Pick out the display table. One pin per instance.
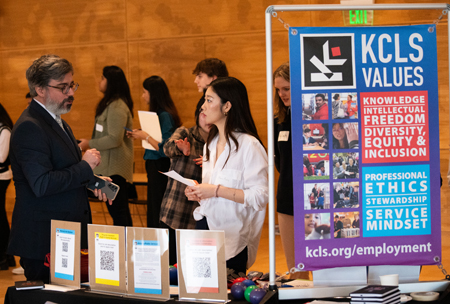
(14, 296)
(41, 296)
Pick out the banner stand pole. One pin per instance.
(271, 152)
(269, 83)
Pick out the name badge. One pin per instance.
(98, 128)
(283, 136)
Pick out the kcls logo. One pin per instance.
(328, 61)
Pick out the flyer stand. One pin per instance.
(65, 253)
(202, 274)
(272, 12)
(148, 263)
(107, 267)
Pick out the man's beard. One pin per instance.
(59, 108)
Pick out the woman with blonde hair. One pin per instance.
(283, 163)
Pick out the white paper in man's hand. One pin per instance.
(178, 177)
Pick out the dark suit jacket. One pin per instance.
(50, 180)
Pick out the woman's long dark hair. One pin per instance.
(116, 87)
(5, 120)
(239, 118)
(160, 98)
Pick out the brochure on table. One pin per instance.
(107, 270)
(201, 265)
(65, 253)
(150, 123)
(148, 262)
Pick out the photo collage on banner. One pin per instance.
(366, 149)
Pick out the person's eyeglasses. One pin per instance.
(66, 88)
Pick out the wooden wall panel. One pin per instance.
(88, 62)
(167, 38)
(381, 17)
(173, 60)
(443, 65)
(245, 60)
(327, 18)
(135, 83)
(13, 82)
(29, 23)
(406, 17)
(159, 18)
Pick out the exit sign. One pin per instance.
(358, 17)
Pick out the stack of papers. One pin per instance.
(376, 294)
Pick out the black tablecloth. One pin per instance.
(41, 296)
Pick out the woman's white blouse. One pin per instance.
(245, 169)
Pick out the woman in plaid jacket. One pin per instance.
(184, 148)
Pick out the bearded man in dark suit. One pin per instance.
(50, 174)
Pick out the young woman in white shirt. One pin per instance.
(234, 192)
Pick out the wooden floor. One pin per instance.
(100, 216)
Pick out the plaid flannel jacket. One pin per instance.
(176, 210)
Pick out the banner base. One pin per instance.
(348, 276)
(406, 274)
(344, 291)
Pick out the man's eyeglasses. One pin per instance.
(66, 88)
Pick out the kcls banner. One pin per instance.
(365, 142)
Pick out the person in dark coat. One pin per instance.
(49, 172)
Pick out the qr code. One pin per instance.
(107, 260)
(202, 267)
(64, 263)
(65, 246)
